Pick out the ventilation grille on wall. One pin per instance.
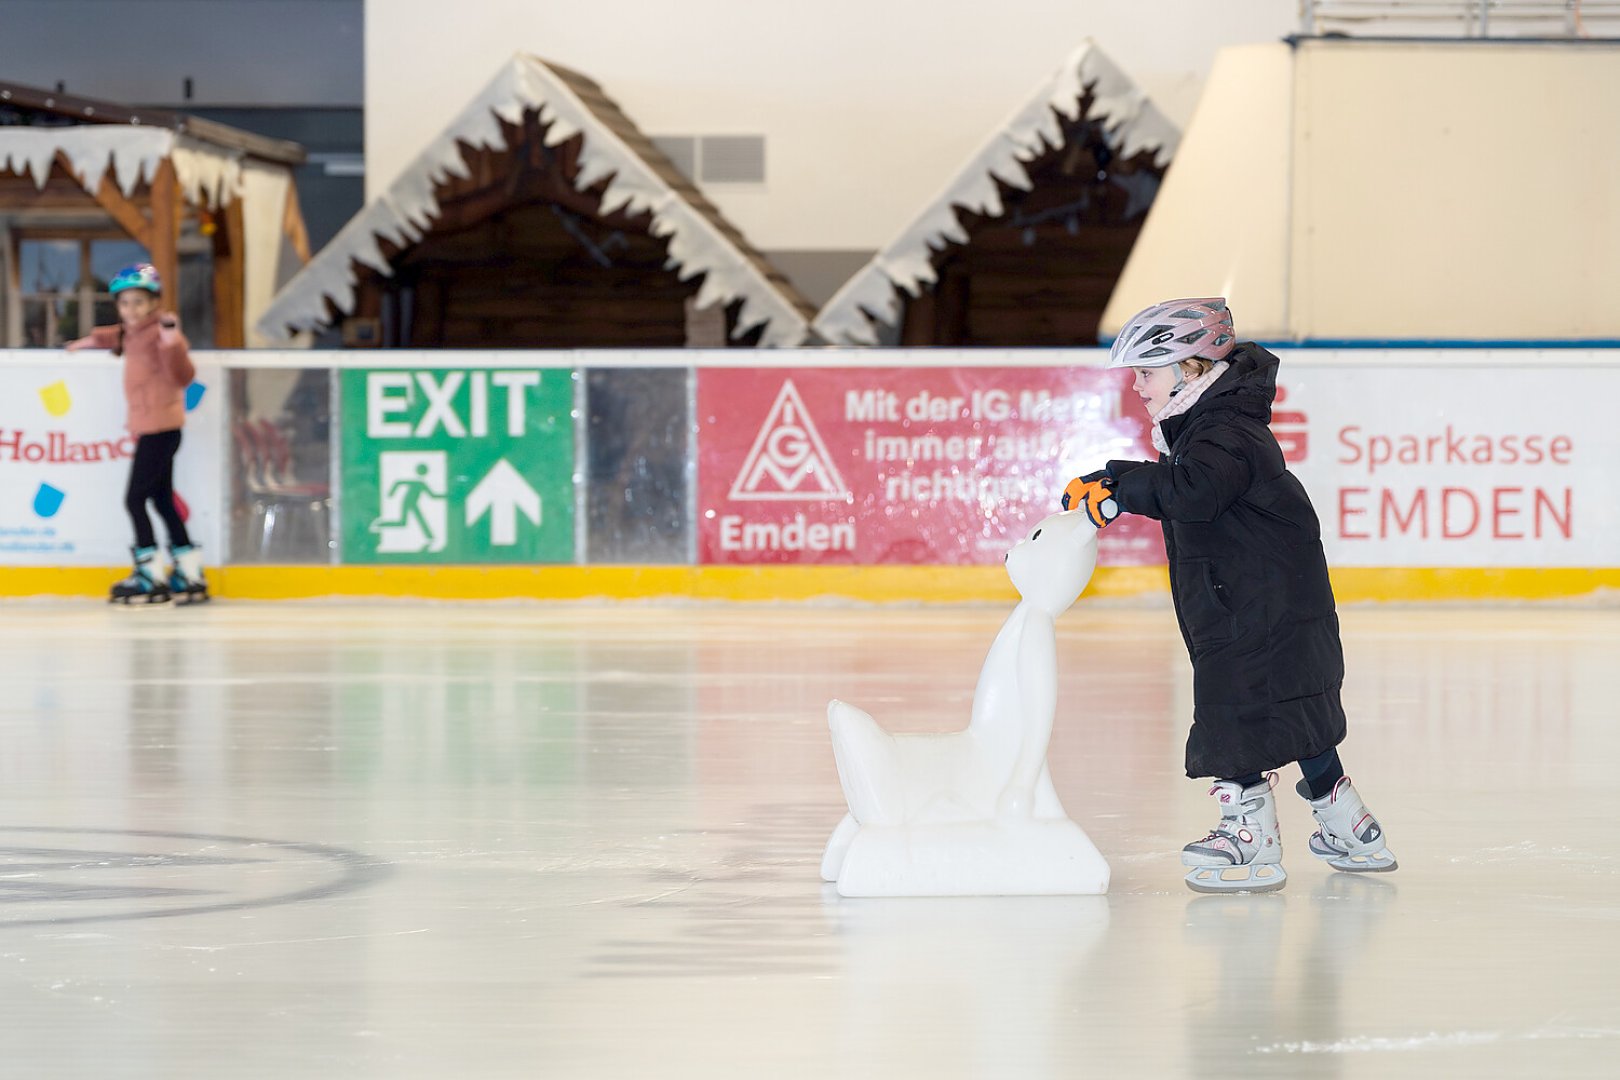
(716, 159)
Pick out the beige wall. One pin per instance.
(1219, 226)
(1461, 192)
(868, 106)
(1396, 191)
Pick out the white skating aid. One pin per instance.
(973, 812)
(1350, 838)
(1244, 852)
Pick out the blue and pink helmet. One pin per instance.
(139, 276)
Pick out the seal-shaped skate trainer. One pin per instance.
(973, 812)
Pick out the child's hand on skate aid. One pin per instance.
(1093, 493)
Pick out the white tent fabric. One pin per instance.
(265, 269)
(403, 214)
(1134, 124)
(210, 176)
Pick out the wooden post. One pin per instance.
(230, 329)
(951, 306)
(427, 332)
(126, 214)
(121, 210)
(165, 240)
(917, 318)
(12, 322)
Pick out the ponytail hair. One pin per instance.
(1191, 368)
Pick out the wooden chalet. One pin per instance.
(81, 176)
(542, 218)
(1025, 246)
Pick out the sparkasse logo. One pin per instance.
(1289, 428)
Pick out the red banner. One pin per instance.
(942, 466)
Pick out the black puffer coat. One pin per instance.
(1248, 577)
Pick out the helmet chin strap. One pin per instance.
(1181, 381)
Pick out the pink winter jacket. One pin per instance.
(155, 375)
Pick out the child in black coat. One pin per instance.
(1250, 585)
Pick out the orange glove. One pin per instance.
(1093, 493)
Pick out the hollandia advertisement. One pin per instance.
(65, 456)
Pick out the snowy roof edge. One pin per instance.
(209, 175)
(403, 214)
(1135, 124)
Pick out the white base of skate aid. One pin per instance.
(973, 812)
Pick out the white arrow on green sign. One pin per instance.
(503, 494)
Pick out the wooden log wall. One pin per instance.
(1040, 274)
(519, 259)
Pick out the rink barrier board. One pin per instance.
(878, 584)
(1376, 519)
(875, 584)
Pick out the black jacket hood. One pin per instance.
(1249, 386)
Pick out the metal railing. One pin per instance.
(1574, 19)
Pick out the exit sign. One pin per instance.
(458, 466)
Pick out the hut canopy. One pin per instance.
(73, 169)
(541, 216)
(1024, 245)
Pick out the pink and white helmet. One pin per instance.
(1174, 331)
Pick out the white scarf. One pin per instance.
(1184, 400)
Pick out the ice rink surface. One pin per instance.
(397, 840)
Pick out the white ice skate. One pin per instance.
(1350, 838)
(186, 580)
(1244, 852)
(144, 585)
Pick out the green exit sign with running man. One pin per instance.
(458, 466)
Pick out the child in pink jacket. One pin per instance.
(157, 370)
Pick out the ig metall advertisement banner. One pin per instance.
(913, 465)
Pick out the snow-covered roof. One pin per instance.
(209, 175)
(640, 180)
(1133, 124)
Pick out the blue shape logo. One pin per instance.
(194, 394)
(48, 500)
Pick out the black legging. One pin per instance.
(151, 477)
(1322, 773)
